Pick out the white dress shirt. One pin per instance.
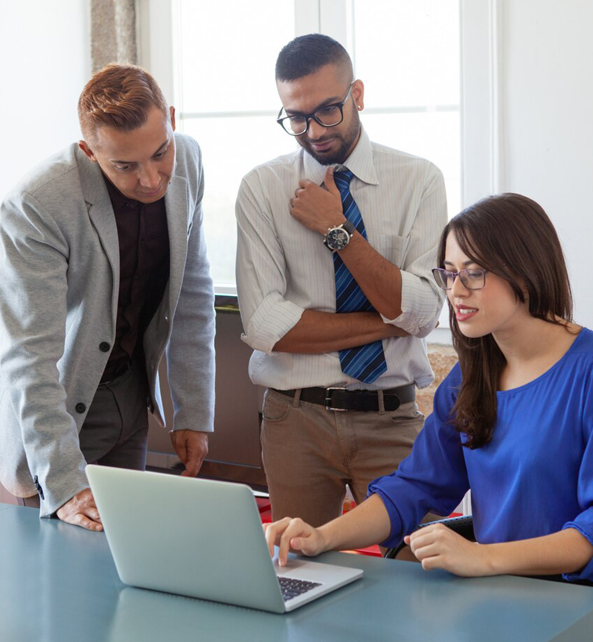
(283, 268)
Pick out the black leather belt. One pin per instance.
(341, 399)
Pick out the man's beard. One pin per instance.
(346, 142)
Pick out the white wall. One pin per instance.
(44, 64)
(547, 123)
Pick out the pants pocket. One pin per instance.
(275, 408)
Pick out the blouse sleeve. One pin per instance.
(434, 477)
(583, 522)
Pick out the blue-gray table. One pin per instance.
(58, 583)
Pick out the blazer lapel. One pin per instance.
(179, 222)
(101, 215)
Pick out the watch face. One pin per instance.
(337, 239)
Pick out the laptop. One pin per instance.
(201, 538)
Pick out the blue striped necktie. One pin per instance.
(365, 363)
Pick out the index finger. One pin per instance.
(423, 536)
(293, 529)
(273, 530)
(82, 520)
(88, 509)
(192, 465)
(92, 512)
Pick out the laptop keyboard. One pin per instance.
(291, 587)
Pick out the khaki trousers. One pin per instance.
(310, 454)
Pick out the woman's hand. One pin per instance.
(293, 535)
(437, 546)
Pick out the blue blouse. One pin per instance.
(534, 478)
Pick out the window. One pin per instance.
(407, 54)
(222, 58)
(227, 101)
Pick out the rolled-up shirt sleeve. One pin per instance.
(433, 478)
(422, 299)
(261, 282)
(583, 522)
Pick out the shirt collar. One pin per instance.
(118, 200)
(360, 163)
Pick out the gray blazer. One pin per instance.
(59, 281)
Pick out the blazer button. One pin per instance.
(80, 408)
(104, 346)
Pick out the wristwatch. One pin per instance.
(337, 238)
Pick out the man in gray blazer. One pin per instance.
(104, 270)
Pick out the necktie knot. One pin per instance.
(343, 178)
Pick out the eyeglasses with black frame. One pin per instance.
(326, 116)
(472, 279)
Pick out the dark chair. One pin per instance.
(463, 525)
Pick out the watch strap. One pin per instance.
(349, 227)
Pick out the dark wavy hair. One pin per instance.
(511, 236)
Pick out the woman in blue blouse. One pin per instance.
(513, 421)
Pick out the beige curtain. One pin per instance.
(113, 32)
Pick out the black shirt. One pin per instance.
(144, 273)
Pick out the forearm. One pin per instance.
(564, 552)
(365, 525)
(319, 332)
(378, 278)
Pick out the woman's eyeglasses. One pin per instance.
(472, 279)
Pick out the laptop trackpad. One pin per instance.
(302, 580)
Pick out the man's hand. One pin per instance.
(191, 447)
(81, 510)
(293, 535)
(318, 208)
(437, 546)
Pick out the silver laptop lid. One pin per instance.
(187, 536)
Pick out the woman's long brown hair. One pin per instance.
(511, 236)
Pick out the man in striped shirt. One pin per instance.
(335, 246)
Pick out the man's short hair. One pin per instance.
(307, 54)
(118, 96)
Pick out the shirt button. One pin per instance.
(104, 346)
(80, 408)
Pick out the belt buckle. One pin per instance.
(328, 399)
